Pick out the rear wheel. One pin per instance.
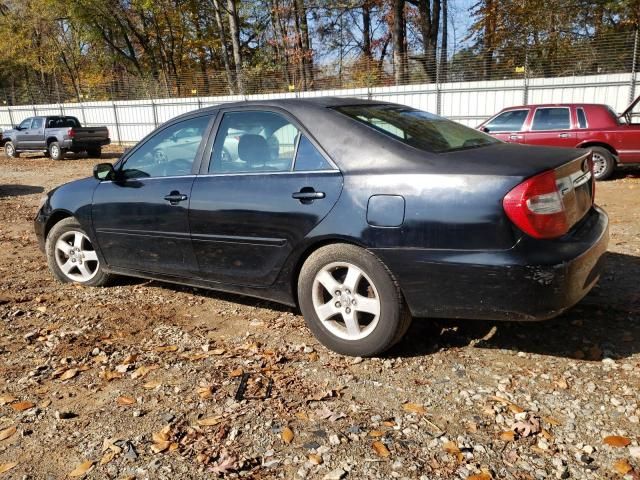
(350, 301)
(604, 163)
(71, 256)
(10, 150)
(95, 152)
(56, 151)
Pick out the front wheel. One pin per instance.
(56, 152)
(10, 150)
(603, 163)
(71, 256)
(350, 301)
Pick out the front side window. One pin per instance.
(510, 121)
(551, 119)
(170, 152)
(37, 123)
(418, 129)
(26, 123)
(253, 142)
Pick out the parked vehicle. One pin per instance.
(613, 139)
(378, 213)
(54, 135)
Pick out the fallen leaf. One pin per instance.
(125, 401)
(102, 358)
(414, 408)
(152, 384)
(141, 372)
(552, 421)
(7, 432)
(22, 406)
(286, 435)
(205, 392)
(376, 433)
(508, 436)
(236, 373)
(512, 406)
(480, 476)
(165, 348)
(45, 403)
(224, 464)
(614, 441)
(380, 449)
(69, 374)
(209, 421)
(109, 375)
(107, 457)
(4, 399)
(389, 423)
(315, 459)
(130, 359)
(452, 448)
(82, 469)
(622, 466)
(160, 447)
(5, 467)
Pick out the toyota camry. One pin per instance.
(363, 214)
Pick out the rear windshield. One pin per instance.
(62, 122)
(418, 129)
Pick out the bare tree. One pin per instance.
(235, 43)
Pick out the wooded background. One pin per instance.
(86, 50)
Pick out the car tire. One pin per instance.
(56, 152)
(364, 314)
(71, 256)
(95, 152)
(10, 150)
(604, 163)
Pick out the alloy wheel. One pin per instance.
(599, 164)
(76, 257)
(346, 301)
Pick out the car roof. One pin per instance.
(543, 105)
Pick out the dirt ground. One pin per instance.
(138, 380)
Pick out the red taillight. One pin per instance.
(71, 133)
(535, 207)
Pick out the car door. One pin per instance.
(141, 218)
(23, 134)
(249, 211)
(507, 126)
(36, 134)
(551, 126)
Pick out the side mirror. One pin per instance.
(484, 129)
(104, 171)
(17, 127)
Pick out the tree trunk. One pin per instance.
(444, 54)
(235, 43)
(399, 51)
(225, 49)
(488, 47)
(307, 53)
(429, 27)
(366, 31)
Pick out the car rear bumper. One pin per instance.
(534, 280)
(84, 145)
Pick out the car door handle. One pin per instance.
(174, 198)
(563, 135)
(307, 195)
(515, 137)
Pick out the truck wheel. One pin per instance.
(10, 150)
(95, 152)
(603, 163)
(55, 151)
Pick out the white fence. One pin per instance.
(465, 102)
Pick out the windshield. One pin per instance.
(418, 129)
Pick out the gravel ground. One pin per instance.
(139, 380)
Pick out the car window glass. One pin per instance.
(26, 123)
(254, 141)
(582, 120)
(510, 121)
(551, 119)
(421, 130)
(308, 158)
(169, 152)
(37, 123)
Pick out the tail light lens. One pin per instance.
(71, 133)
(535, 207)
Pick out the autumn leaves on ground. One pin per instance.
(148, 380)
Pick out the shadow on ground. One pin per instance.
(19, 190)
(606, 323)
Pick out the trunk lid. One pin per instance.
(90, 134)
(576, 185)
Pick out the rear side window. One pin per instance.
(551, 119)
(308, 158)
(418, 129)
(582, 119)
(510, 121)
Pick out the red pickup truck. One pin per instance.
(613, 139)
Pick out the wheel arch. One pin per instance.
(595, 143)
(54, 218)
(50, 140)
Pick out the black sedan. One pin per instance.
(361, 213)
